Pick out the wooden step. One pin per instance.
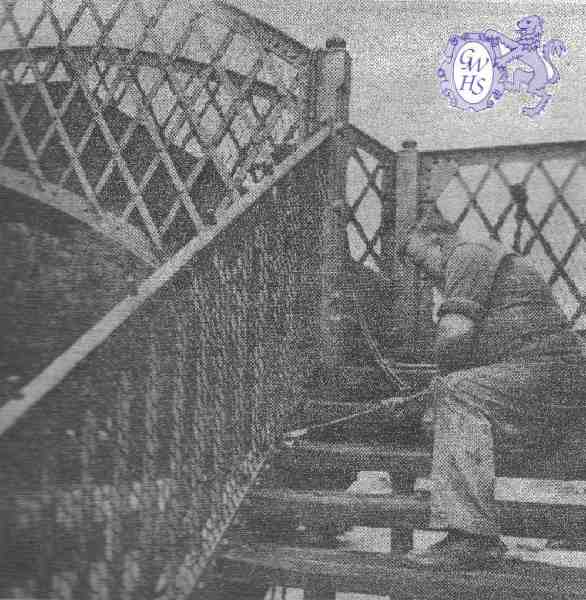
(535, 491)
(316, 456)
(381, 574)
(411, 462)
(405, 511)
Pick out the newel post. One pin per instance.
(406, 301)
(331, 100)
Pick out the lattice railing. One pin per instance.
(123, 480)
(138, 107)
(369, 187)
(167, 125)
(474, 192)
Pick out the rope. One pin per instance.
(389, 368)
(391, 373)
(391, 403)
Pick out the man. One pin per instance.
(512, 374)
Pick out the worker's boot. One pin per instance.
(460, 550)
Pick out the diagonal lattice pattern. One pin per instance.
(550, 230)
(155, 114)
(369, 183)
(123, 481)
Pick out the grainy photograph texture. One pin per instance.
(292, 300)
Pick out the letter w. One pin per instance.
(468, 60)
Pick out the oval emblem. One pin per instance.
(473, 73)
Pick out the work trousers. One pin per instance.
(482, 414)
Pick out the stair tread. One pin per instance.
(407, 461)
(411, 460)
(378, 573)
(407, 511)
(358, 447)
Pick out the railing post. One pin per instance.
(388, 216)
(331, 100)
(405, 305)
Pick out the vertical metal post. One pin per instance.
(332, 92)
(388, 217)
(405, 306)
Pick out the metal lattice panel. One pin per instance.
(148, 120)
(550, 229)
(133, 106)
(124, 480)
(369, 182)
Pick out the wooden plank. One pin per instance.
(543, 491)
(329, 456)
(53, 374)
(409, 511)
(564, 464)
(314, 507)
(381, 574)
(536, 491)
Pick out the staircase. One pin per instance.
(295, 530)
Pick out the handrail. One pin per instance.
(56, 371)
(365, 141)
(281, 44)
(512, 153)
(277, 42)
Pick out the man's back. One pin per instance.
(514, 309)
(522, 315)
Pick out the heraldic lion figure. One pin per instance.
(527, 49)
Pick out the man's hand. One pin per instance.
(452, 325)
(455, 342)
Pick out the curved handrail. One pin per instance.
(274, 40)
(271, 39)
(169, 43)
